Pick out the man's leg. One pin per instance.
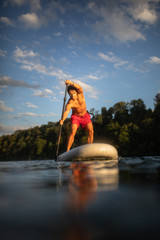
(74, 128)
(89, 128)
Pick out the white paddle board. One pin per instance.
(94, 151)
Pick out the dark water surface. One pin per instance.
(87, 200)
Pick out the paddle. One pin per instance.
(60, 129)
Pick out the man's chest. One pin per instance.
(80, 102)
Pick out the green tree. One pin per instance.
(156, 123)
(107, 115)
(137, 110)
(120, 111)
(40, 145)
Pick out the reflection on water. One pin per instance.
(80, 200)
(82, 186)
(88, 178)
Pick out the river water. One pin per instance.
(80, 200)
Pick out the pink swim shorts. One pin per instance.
(83, 121)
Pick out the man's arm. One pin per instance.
(65, 114)
(76, 85)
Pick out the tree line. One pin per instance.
(132, 128)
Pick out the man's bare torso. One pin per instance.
(78, 106)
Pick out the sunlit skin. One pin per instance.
(78, 105)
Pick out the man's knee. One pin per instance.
(73, 130)
(91, 132)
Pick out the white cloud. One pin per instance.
(32, 21)
(5, 108)
(3, 53)
(9, 129)
(18, 53)
(122, 28)
(118, 62)
(1, 87)
(122, 20)
(7, 81)
(6, 21)
(113, 59)
(154, 60)
(143, 11)
(58, 73)
(62, 23)
(30, 105)
(51, 71)
(27, 114)
(14, 2)
(58, 34)
(26, 67)
(30, 114)
(45, 93)
(34, 4)
(108, 58)
(53, 9)
(31, 66)
(114, 23)
(133, 68)
(92, 77)
(49, 91)
(39, 93)
(21, 56)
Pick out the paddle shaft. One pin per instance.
(60, 129)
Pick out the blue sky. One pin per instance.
(111, 48)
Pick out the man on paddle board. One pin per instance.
(79, 113)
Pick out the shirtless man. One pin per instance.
(79, 113)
